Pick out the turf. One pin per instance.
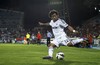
(20, 54)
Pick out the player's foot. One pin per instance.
(47, 57)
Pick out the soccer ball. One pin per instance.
(60, 55)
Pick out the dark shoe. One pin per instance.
(47, 57)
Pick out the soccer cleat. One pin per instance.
(47, 57)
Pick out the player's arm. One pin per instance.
(40, 23)
(72, 29)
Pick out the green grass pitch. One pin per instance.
(20, 54)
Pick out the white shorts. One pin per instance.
(63, 40)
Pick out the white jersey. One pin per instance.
(58, 27)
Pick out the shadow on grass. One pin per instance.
(63, 62)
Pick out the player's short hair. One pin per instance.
(52, 12)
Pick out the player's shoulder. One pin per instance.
(51, 22)
(62, 20)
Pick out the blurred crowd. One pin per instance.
(89, 30)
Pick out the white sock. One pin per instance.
(50, 51)
(76, 41)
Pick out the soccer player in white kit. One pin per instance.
(58, 26)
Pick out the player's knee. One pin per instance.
(70, 44)
(51, 45)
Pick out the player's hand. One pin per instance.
(74, 31)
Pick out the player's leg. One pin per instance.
(50, 51)
(67, 42)
(51, 47)
(48, 41)
(76, 41)
(28, 41)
